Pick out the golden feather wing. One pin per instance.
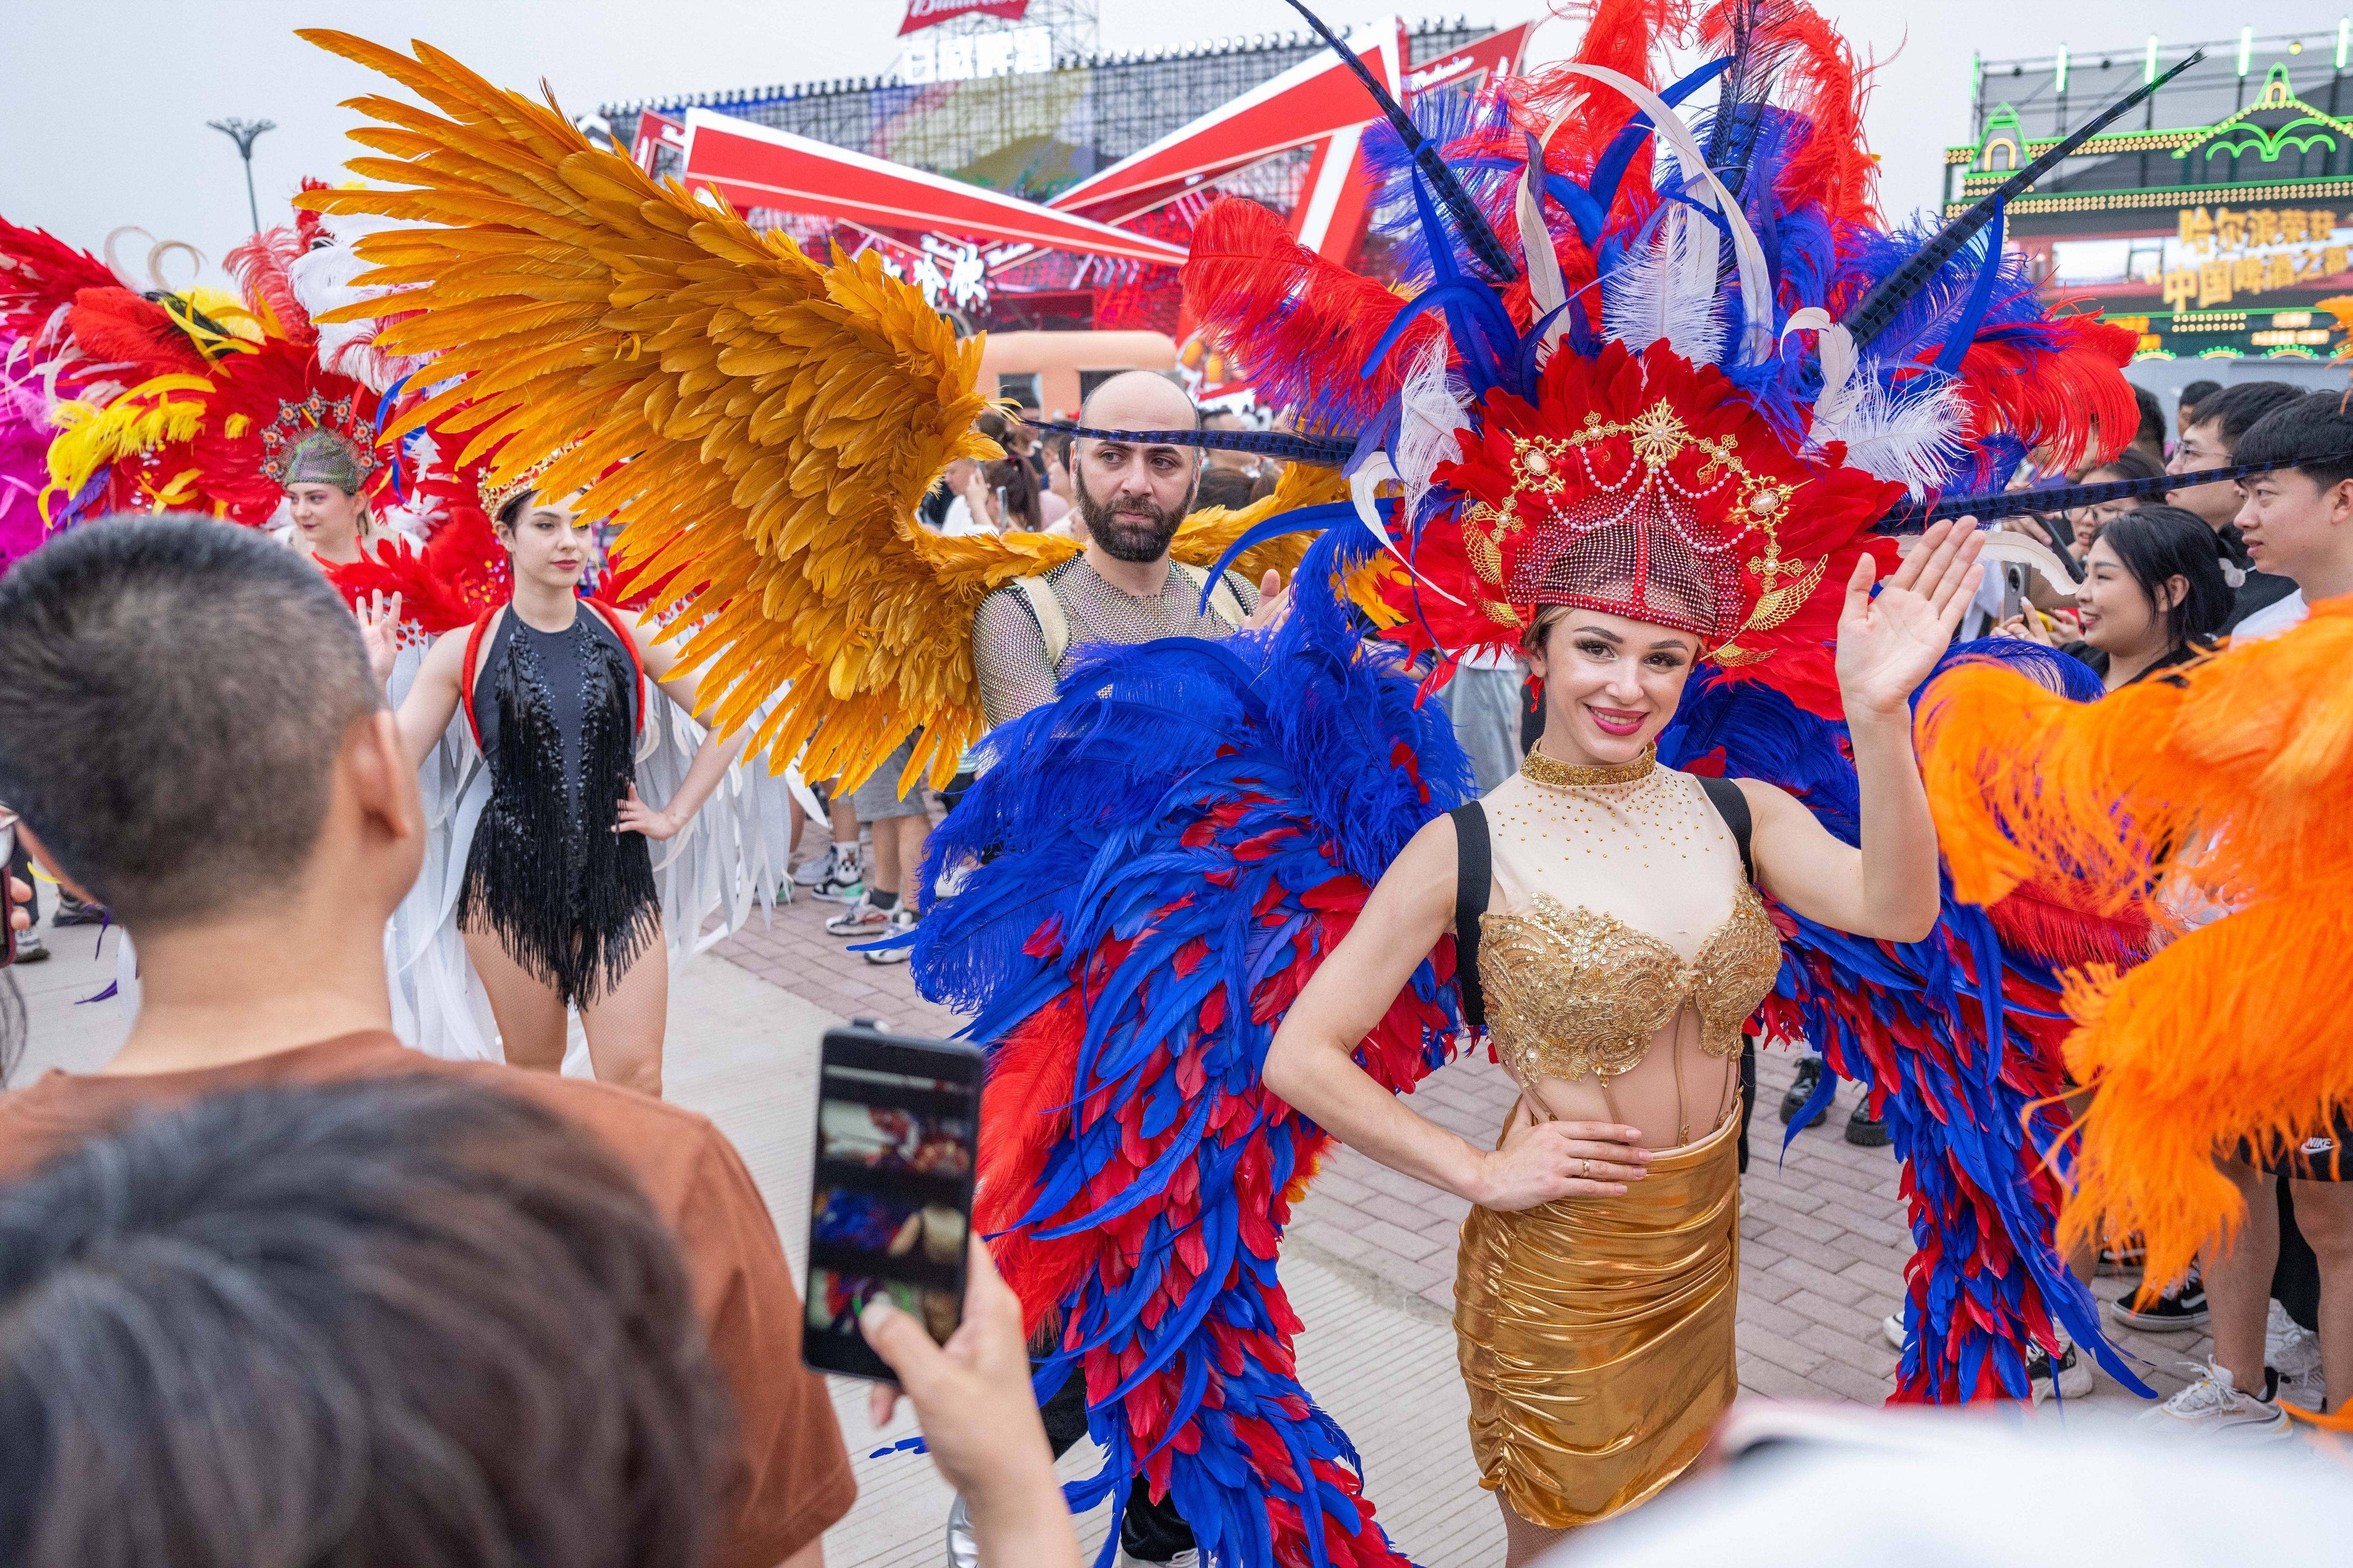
(1205, 536)
(760, 423)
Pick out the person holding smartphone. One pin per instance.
(236, 791)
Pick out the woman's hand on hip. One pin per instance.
(1541, 1161)
(637, 817)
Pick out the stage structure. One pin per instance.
(1060, 197)
(2212, 220)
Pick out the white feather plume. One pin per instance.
(1430, 409)
(1667, 293)
(322, 279)
(1913, 437)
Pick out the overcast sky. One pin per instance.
(103, 102)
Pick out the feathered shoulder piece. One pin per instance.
(458, 572)
(1675, 370)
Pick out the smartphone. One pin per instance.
(8, 894)
(898, 1134)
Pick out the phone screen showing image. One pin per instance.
(898, 1128)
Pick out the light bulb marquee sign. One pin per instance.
(2213, 240)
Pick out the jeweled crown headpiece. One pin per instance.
(496, 496)
(317, 441)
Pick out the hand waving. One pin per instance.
(1888, 644)
(380, 631)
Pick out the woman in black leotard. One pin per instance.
(559, 909)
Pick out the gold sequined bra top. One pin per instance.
(1572, 992)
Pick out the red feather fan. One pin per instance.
(53, 299)
(461, 572)
(113, 326)
(2054, 384)
(1278, 308)
(1817, 80)
(259, 267)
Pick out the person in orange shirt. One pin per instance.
(190, 734)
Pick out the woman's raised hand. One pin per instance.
(1887, 644)
(1541, 1161)
(380, 631)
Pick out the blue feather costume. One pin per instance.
(1166, 854)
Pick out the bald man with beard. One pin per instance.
(1122, 589)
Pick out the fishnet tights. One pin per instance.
(1524, 1542)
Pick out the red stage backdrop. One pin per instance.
(922, 14)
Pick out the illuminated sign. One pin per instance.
(2225, 254)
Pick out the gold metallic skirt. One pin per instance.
(1596, 1335)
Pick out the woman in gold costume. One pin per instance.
(1621, 947)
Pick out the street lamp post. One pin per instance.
(243, 131)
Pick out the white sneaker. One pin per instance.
(1891, 1326)
(2293, 1351)
(862, 920)
(902, 921)
(2073, 1379)
(813, 871)
(2215, 1407)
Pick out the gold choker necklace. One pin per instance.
(1541, 769)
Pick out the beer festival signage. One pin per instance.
(2212, 241)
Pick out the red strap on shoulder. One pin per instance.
(613, 619)
(466, 675)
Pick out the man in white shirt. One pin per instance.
(2298, 522)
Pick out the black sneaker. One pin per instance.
(1801, 1090)
(30, 949)
(1865, 1131)
(2070, 1380)
(72, 912)
(2177, 1312)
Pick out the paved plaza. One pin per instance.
(1368, 1264)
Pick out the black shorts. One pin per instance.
(2324, 1157)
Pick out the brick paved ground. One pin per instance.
(1368, 1264)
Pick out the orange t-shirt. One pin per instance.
(793, 1479)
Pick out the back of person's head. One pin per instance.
(2196, 392)
(2132, 463)
(2158, 543)
(174, 694)
(2313, 433)
(2151, 434)
(1018, 483)
(1223, 487)
(2234, 410)
(398, 1323)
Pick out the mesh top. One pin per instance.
(1009, 649)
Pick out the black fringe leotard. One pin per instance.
(571, 900)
